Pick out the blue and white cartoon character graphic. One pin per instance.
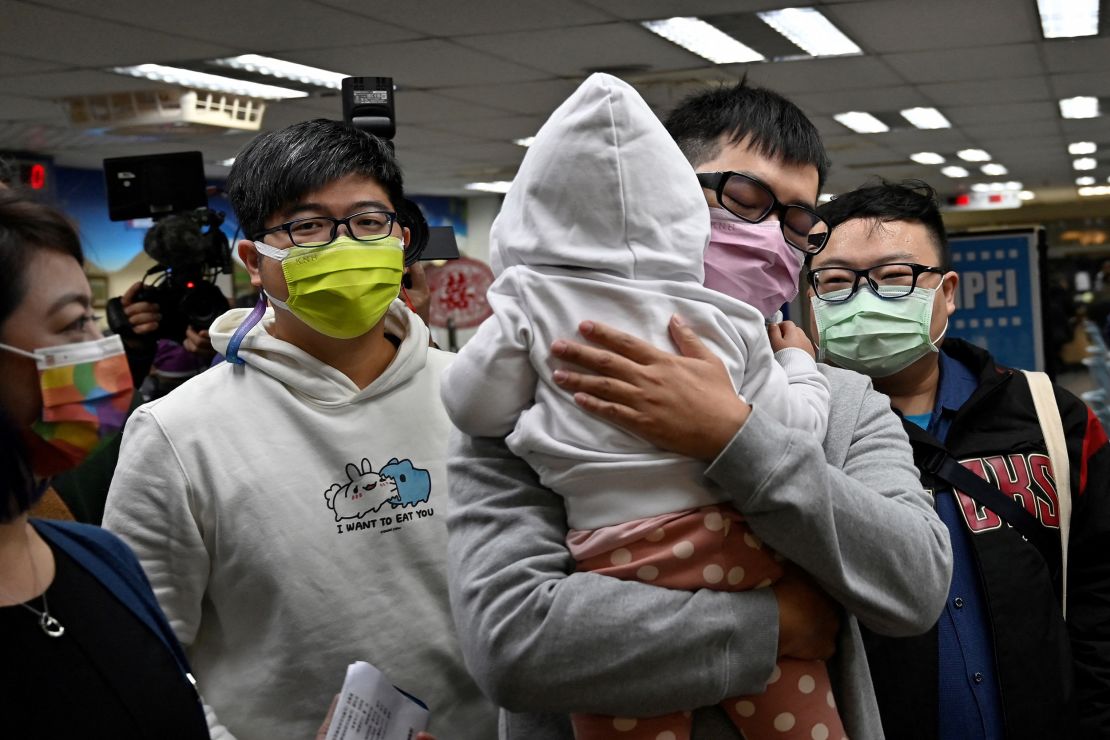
(414, 485)
(365, 492)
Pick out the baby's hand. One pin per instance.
(788, 334)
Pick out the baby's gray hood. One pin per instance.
(604, 187)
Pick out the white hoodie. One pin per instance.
(606, 221)
(291, 523)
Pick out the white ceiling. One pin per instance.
(472, 76)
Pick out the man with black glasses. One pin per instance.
(1001, 661)
(289, 505)
(544, 640)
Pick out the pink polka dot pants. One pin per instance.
(713, 548)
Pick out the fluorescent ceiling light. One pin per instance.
(926, 118)
(994, 170)
(862, 123)
(927, 158)
(980, 187)
(1012, 185)
(501, 186)
(825, 198)
(810, 30)
(973, 155)
(525, 142)
(1065, 19)
(285, 70)
(1094, 190)
(1082, 147)
(1085, 163)
(1027, 195)
(1079, 107)
(1085, 180)
(954, 171)
(226, 162)
(704, 40)
(205, 81)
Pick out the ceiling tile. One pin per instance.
(969, 115)
(1011, 129)
(1081, 83)
(429, 63)
(911, 25)
(822, 75)
(451, 19)
(979, 63)
(571, 51)
(293, 24)
(866, 99)
(652, 9)
(520, 97)
(973, 92)
(88, 42)
(11, 66)
(1076, 55)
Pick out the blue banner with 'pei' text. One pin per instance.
(998, 300)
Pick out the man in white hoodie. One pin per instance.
(289, 505)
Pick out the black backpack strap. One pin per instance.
(941, 464)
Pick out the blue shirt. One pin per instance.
(970, 703)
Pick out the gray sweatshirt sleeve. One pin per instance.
(538, 636)
(864, 529)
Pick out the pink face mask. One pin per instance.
(751, 262)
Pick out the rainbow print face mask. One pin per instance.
(86, 393)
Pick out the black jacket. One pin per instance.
(1054, 678)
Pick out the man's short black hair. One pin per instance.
(278, 168)
(883, 201)
(773, 126)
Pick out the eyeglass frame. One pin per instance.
(287, 227)
(916, 270)
(716, 182)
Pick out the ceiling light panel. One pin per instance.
(1079, 148)
(1082, 106)
(1085, 163)
(994, 170)
(927, 158)
(1085, 180)
(705, 40)
(973, 155)
(285, 70)
(926, 118)
(501, 186)
(1065, 19)
(811, 31)
(954, 171)
(861, 123)
(205, 81)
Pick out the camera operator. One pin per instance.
(158, 365)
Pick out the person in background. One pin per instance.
(544, 640)
(289, 504)
(1001, 661)
(86, 650)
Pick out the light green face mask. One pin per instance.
(875, 336)
(343, 289)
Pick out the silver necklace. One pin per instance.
(47, 623)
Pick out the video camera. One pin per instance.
(368, 106)
(185, 240)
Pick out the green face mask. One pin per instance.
(343, 289)
(875, 336)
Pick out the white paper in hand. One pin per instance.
(371, 708)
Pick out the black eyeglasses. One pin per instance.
(747, 198)
(319, 231)
(890, 281)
